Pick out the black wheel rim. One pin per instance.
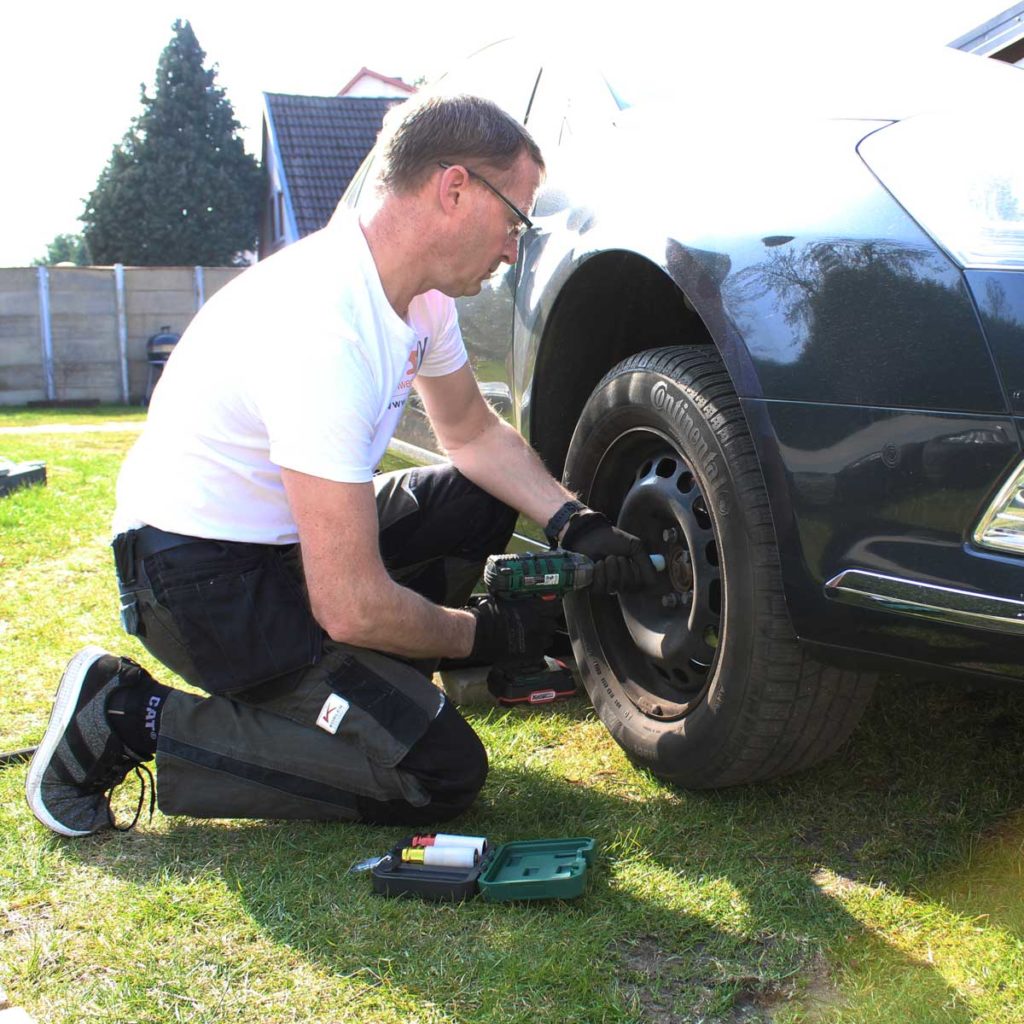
(661, 643)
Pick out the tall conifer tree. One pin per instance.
(180, 188)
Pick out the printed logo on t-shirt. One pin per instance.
(412, 367)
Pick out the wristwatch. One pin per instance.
(559, 520)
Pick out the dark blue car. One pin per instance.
(782, 342)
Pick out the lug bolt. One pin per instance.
(670, 536)
(670, 600)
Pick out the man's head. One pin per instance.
(428, 130)
(456, 179)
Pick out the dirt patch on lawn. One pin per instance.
(669, 987)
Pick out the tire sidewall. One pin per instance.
(634, 398)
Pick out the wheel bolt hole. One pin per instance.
(644, 470)
(715, 597)
(710, 636)
(685, 483)
(666, 468)
(711, 553)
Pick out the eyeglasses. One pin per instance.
(524, 222)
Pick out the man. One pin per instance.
(261, 559)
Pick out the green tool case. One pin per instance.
(542, 869)
(539, 869)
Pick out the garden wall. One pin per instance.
(70, 334)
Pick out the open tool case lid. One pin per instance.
(540, 869)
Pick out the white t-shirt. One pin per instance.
(301, 363)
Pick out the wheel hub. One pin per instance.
(680, 571)
(675, 624)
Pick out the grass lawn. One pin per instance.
(884, 886)
(76, 416)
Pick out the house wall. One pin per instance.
(80, 356)
(273, 233)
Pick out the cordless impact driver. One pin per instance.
(549, 575)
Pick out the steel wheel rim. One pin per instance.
(665, 640)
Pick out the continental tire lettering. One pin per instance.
(677, 408)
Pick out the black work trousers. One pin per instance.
(297, 725)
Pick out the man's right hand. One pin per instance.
(513, 630)
(620, 561)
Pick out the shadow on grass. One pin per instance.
(702, 904)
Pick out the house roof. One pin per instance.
(395, 83)
(321, 141)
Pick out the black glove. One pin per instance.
(620, 561)
(513, 630)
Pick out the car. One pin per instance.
(778, 335)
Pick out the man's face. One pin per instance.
(492, 229)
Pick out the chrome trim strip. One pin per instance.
(927, 601)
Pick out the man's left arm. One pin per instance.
(487, 450)
(495, 457)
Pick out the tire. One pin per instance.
(702, 679)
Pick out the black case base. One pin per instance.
(393, 877)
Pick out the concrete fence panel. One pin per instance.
(70, 334)
(21, 361)
(83, 325)
(216, 278)
(155, 298)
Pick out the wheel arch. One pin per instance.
(616, 304)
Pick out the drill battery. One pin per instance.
(549, 680)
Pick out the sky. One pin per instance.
(70, 72)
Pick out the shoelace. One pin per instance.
(139, 769)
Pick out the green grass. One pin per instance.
(76, 415)
(883, 886)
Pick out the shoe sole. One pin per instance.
(64, 702)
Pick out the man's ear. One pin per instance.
(451, 188)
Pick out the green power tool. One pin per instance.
(549, 575)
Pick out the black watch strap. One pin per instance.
(557, 522)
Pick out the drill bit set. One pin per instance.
(442, 866)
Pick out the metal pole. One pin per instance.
(16, 756)
(200, 279)
(46, 331)
(122, 329)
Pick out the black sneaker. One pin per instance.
(80, 760)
